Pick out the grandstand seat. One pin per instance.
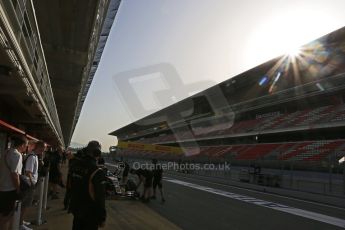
(256, 151)
(339, 115)
(325, 150)
(296, 150)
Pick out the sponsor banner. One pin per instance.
(149, 147)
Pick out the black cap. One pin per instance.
(94, 145)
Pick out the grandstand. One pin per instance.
(289, 109)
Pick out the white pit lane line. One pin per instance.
(272, 205)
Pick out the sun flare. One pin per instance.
(293, 52)
(283, 34)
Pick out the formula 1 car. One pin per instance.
(115, 188)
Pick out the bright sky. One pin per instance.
(205, 41)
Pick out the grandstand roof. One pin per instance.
(244, 87)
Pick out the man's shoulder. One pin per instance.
(31, 158)
(99, 171)
(13, 153)
(99, 174)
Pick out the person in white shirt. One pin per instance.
(31, 171)
(10, 169)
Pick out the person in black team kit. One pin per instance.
(157, 179)
(87, 202)
(145, 177)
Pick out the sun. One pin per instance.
(283, 33)
(293, 52)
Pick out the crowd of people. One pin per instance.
(25, 162)
(20, 168)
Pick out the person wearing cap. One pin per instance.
(73, 159)
(87, 180)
